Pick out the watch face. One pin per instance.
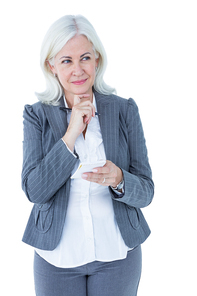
(120, 185)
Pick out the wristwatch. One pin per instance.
(119, 186)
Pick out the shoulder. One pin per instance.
(34, 108)
(117, 99)
(126, 106)
(122, 101)
(128, 110)
(34, 112)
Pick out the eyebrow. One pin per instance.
(67, 57)
(85, 54)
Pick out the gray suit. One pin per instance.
(48, 164)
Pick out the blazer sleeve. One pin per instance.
(42, 175)
(138, 183)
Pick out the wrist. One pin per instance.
(119, 186)
(69, 140)
(119, 179)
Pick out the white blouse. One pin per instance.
(90, 231)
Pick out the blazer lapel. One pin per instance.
(57, 119)
(108, 118)
(109, 123)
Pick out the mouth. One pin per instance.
(79, 82)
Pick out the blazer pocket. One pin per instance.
(134, 216)
(43, 214)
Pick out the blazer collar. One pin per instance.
(57, 119)
(108, 119)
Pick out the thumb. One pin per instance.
(76, 100)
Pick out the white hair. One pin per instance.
(57, 36)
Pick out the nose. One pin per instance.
(77, 70)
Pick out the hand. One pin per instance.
(82, 112)
(108, 175)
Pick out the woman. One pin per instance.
(86, 231)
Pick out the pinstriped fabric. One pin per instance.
(48, 164)
(128, 151)
(46, 167)
(50, 174)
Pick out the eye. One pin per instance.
(86, 58)
(66, 61)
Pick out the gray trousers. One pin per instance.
(115, 278)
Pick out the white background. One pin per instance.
(152, 57)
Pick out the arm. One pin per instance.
(42, 175)
(139, 187)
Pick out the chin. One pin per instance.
(82, 90)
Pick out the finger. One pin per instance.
(83, 96)
(93, 109)
(84, 104)
(100, 179)
(106, 169)
(77, 98)
(103, 170)
(86, 110)
(86, 113)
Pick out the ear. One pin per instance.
(97, 61)
(51, 67)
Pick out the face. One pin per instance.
(75, 66)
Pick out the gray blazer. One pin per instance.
(47, 167)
